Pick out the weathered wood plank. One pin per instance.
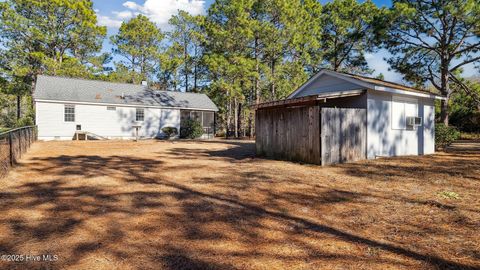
(343, 134)
(311, 134)
(289, 133)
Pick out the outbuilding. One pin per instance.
(338, 117)
(66, 106)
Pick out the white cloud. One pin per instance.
(123, 15)
(108, 22)
(159, 11)
(132, 5)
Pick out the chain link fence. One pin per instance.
(13, 144)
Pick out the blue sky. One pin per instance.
(111, 13)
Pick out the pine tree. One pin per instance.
(45, 36)
(138, 41)
(432, 40)
(348, 33)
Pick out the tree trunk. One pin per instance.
(229, 118)
(32, 92)
(257, 71)
(186, 81)
(257, 87)
(272, 86)
(250, 112)
(445, 90)
(235, 118)
(195, 78)
(195, 71)
(444, 111)
(19, 104)
(239, 121)
(250, 126)
(185, 65)
(335, 66)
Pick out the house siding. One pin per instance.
(98, 120)
(384, 140)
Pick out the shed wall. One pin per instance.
(312, 134)
(289, 133)
(343, 135)
(384, 139)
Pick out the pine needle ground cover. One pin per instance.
(213, 205)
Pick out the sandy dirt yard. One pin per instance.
(213, 205)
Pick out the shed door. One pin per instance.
(343, 135)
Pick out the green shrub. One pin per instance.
(444, 136)
(192, 129)
(24, 122)
(170, 131)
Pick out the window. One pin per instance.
(208, 119)
(111, 108)
(139, 115)
(403, 108)
(69, 113)
(196, 115)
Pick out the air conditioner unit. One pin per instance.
(414, 121)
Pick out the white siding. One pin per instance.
(327, 83)
(386, 138)
(98, 120)
(429, 127)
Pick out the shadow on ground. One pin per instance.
(213, 205)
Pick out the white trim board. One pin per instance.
(411, 93)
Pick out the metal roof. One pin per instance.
(385, 83)
(308, 99)
(91, 91)
(368, 83)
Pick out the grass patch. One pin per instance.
(469, 136)
(449, 195)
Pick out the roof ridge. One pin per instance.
(380, 80)
(399, 84)
(129, 84)
(91, 80)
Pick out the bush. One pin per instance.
(170, 131)
(24, 122)
(444, 136)
(192, 129)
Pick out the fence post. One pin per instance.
(20, 144)
(11, 148)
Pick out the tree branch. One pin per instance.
(465, 62)
(475, 96)
(470, 47)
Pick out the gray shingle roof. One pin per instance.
(80, 90)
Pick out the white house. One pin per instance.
(338, 117)
(111, 110)
(400, 119)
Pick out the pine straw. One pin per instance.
(212, 205)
